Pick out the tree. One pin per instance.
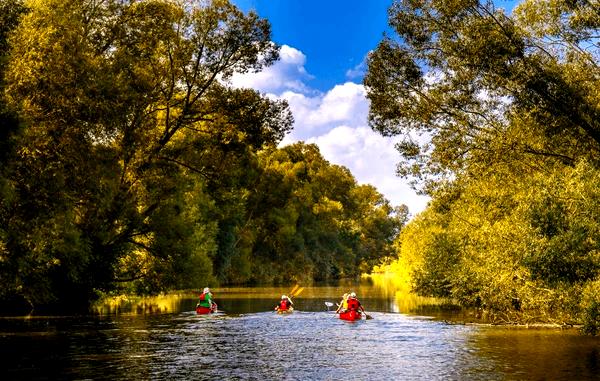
(119, 103)
(10, 15)
(10, 126)
(309, 219)
(481, 86)
(501, 123)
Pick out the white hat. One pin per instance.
(206, 290)
(283, 297)
(352, 295)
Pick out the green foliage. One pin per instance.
(523, 253)
(566, 227)
(121, 111)
(590, 308)
(308, 219)
(11, 12)
(484, 87)
(499, 116)
(130, 165)
(435, 277)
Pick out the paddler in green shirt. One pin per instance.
(206, 299)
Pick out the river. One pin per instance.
(407, 339)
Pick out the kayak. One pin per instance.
(350, 315)
(206, 310)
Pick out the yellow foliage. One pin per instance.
(326, 205)
(128, 304)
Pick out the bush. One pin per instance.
(590, 308)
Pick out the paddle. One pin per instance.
(329, 304)
(291, 293)
(297, 292)
(367, 316)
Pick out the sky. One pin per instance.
(324, 45)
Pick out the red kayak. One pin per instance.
(350, 315)
(206, 310)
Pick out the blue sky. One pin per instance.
(320, 71)
(334, 35)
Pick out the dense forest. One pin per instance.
(500, 119)
(128, 164)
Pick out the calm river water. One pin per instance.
(407, 339)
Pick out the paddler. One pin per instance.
(284, 305)
(206, 300)
(343, 306)
(354, 304)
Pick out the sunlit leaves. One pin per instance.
(125, 114)
(460, 72)
(520, 246)
(311, 220)
(498, 116)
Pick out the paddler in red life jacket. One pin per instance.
(343, 306)
(206, 299)
(354, 304)
(285, 304)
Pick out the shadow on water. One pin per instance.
(163, 338)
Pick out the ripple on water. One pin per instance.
(299, 346)
(311, 345)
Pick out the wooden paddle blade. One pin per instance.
(368, 317)
(298, 291)
(294, 290)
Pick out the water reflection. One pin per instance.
(542, 354)
(165, 303)
(248, 341)
(376, 293)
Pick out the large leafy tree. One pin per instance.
(309, 219)
(500, 118)
(10, 15)
(480, 86)
(123, 103)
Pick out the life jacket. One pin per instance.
(353, 304)
(283, 305)
(205, 300)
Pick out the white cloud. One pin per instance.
(357, 71)
(372, 160)
(345, 104)
(337, 122)
(286, 74)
